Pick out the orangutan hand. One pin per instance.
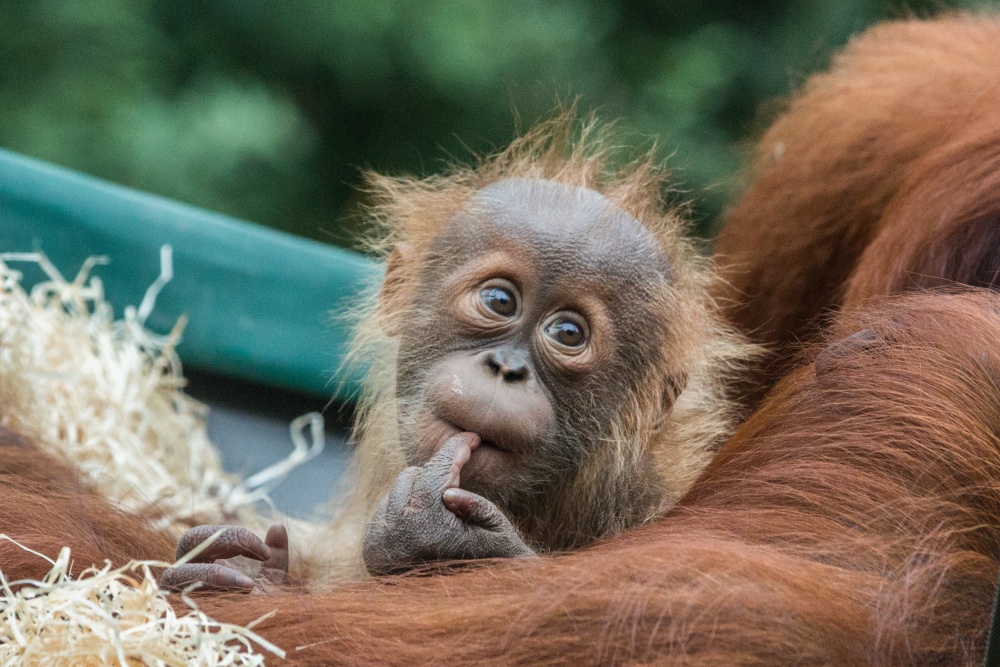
(256, 565)
(425, 517)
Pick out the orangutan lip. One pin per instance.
(483, 442)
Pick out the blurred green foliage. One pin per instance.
(267, 110)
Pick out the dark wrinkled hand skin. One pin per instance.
(426, 518)
(236, 561)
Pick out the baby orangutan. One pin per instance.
(548, 368)
(538, 313)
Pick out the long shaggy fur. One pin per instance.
(882, 176)
(44, 503)
(854, 519)
(700, 356)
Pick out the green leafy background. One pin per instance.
(268, 110)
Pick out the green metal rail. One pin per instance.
(259, 301)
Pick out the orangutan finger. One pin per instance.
(443, 470)
(210, 575)
(277, 541)
(473, 508)
(234, 541)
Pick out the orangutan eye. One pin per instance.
(566, 332)
(501, 301)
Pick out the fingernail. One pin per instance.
(450, 495)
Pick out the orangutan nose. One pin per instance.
(511, 365)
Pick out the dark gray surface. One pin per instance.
(249, 424)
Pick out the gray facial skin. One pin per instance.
(536, 314)
(535, 317)
(558, 249)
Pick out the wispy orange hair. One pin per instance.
(700, 354)
(853, 520)
(881, 176)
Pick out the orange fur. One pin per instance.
(854, 519)
(44, 506)
(646, 451)
(880, 177)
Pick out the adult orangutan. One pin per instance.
(882, 176)
(854, 519)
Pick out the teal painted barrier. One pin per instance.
(259, 301)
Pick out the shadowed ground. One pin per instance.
(249, 424)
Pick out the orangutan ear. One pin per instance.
(674, 386)
(392, 284)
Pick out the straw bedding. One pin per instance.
(108, 395)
